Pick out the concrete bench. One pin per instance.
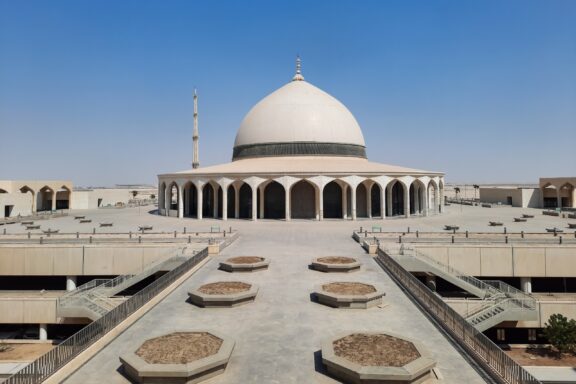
(85, 221)
(106, 224)
(29, 227)
(495, 223)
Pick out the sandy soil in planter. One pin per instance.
(179, 348)
(336, 260)
(224, 288)
(375, 350)
(348, 288)
(245, 260)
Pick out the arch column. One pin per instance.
(254, 203)
(261, 213)
(558, 198)
(369, 200)
(199, 199)
(236, 202)
(389, 201)
(406, 201)
(287, 215)
(353, 202)
(225, 203)
(53, 200)
(345, 202)
(180, 201)
(167, 199)
(320, 203)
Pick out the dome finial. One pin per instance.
(298, 76)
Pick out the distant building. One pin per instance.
(555, 192)
(26, 197)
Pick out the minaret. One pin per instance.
(195, 159)
(298, 76)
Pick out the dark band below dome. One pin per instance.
(298, 149)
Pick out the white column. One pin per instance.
(43, 331)
(70, 283)
(353, 202)
(261, 203)
(54, 200)
(321, 204)
(215, 211)
(389, 201)
(254, 203)
(369, 201)
(199, 200)
(417, 199)
(406, 201)
(558, 198)
(382, 202)
(425, 200)
(180, 202)
(287, 205)
(345, 202)
(225, 203)
(236, 202)
(526, 284)
(167, 200)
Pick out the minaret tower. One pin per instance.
(195, 159)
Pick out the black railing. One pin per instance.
(45, 366)
(495, 362)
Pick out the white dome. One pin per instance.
(299, 112)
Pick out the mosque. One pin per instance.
(299, 154)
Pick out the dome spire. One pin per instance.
(298, 76)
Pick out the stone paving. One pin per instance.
(279, 335)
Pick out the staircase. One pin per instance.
(499, 301)
(97, 297)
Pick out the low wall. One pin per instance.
(506, 260)
(77, 260)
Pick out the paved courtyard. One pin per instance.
(278, 336)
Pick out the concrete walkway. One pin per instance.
(279, 335)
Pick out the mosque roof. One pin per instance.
(304, 165)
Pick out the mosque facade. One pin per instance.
(299, 154)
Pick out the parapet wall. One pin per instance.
(82, 260)
(506, 260)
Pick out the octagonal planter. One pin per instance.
(244, 264)
(141, 370)
(329, 294)
(217, 299)
(335, 264)
(413, 367)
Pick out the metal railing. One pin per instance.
(45, 366)
(499, 366)
(489, 290)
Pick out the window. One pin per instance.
(532, 335)
(501, 334)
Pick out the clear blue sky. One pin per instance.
(100, 92)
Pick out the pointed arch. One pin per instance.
(395, 195)
(245, 201)
(63, 197)
(208, 200)
(190, 199)
(45, 198)
(274, 201)
(303, 200)
(332, 200)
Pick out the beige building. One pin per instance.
(299, 153)
(522, 197)
(558, 192)
(26, 197)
